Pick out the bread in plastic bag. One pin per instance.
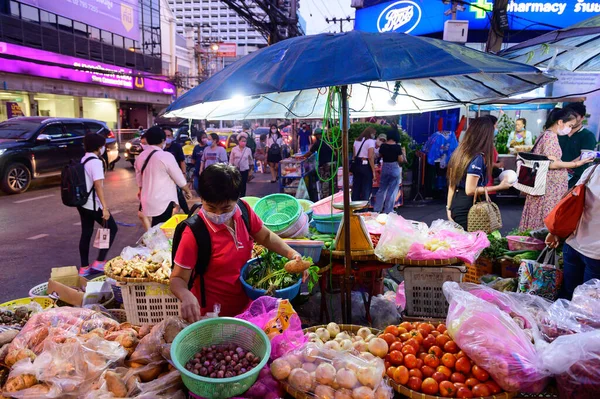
(129, 253)
(156, 345)
(398, 236)
(323, 373)
(496, 338)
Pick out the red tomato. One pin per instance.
(439, 377)
(414, 343)
(432, 361)
(428, 341)
(449, 360)
(444, 370)
(389, 338)
(422, 355)
(392, 330)
(406, 325)
(415, 373)
(420, 363)
(387, 364)
(405, 336)
(481, 390)
(464, 393)
(417, 336)
(463, 365)
(480, 373)
(428, 327)
(436, 351)
(471, 382)
(447, 389)
(396, 346)
(451, 347)
(401, 375)
(458, 377)
(390, 371)
(460, 354)
(414, 383)
(429, 386)
(493, 386)
(409, 350)
(441, 328)
(441, 340)
(401, 330)
(410, 361)
(435, 333)
(460, 385)
(427, 371)
(396, 358)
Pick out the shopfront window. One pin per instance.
(47, 18)
(102, 109)
(94, 33)
(14, 9)
(56, 106)
(106, 37)
(30, 13)
(13, 104)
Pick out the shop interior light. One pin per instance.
(238, 100)
(40, 99)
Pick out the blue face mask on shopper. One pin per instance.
(209, 142)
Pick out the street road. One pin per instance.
(37, 232)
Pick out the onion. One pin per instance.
(323, 334)
(370, 337)
(367, 356)
(346, 378)
(361, 346)
(346, 345)
(311, 352)
(368, 376)
(313, 337)
(324, 392)
(383, 392)
(333, 329)
(343, 335)
(343, 394)
(294, 361)
(300, 379)
(333, 345)
(378, 347)
(325, 374)
(310, 367)
(363, 393)
(364, 332)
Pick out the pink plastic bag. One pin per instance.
(401, 296)
(262, 312)
(456, 244)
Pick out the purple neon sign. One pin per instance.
(77, 70)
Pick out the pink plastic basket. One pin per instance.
(324, 207)
(298, 229)
(520, 243)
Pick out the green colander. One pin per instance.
(278, 211)
(219, 331)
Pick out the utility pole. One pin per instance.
(335, 20)
(499, 23)
(199, 53)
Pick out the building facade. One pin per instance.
(83, 58)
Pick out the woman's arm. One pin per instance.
(511, 136)
(99, 188)
(528, 137)
(449, 202)
(558, 164)
(190, 308)
(274, 243)
(372, 159)
(472, 189)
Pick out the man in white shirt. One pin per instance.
(158, 175)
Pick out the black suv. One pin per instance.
(34, 147)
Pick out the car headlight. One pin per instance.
(127, 146)
(2, 151)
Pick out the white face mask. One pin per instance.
(219, 218)
(564, 131)
(102, 151)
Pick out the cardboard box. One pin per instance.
(66, 285)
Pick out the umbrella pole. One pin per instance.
(347, 291)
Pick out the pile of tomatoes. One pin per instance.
(424, 358)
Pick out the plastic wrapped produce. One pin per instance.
(492, 332)
(155, 347)
(398, 236)
(322, 373)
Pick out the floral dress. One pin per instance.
(557, 184)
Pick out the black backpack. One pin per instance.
(202, 236)
(275, 148)
(73, 188)
(251, 143)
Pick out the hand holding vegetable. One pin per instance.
(190, 308)
(297, 266)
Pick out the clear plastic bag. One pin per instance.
(586, 301)
(280, 322)
(398, 236)
(155, 347)
(155, 239)
(323, 373)
(445, 241)
(129, 253)
(492, 332)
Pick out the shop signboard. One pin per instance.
(227, 50)
(13, 110)
(29, 61)
(120, 17)
(421, 17)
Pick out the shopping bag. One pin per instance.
(541, 277)
(532, 171)
(484, 216)
(302, 191)
(102, 240)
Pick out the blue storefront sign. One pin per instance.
(421, 17)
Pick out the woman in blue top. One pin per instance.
(469, 170)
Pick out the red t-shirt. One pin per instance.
(222, 277)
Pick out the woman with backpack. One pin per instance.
(274, 151)
(95, 210)
(215, 244)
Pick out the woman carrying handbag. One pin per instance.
(468, 172)
(241, 158)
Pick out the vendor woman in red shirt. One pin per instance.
(231, 247)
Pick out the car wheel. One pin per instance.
(16, 179)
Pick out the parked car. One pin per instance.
(35, 147)
(133, 147)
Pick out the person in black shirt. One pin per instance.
(325, 161)
(391, 173)
(176, 150)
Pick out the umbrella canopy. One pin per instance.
(419, 73)
(576, 48)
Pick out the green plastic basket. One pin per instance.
(251, 201)
(217, 331)
(327, 218)
(278, 211)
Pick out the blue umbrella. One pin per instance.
(422, 69)
(575, 48)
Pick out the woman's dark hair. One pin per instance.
(155, 135)
(559, 114)
(367, 133)
(524, 121)
(200, 135)
(215, 137)
(219, 183)
(492, 118)
(478, 139)
(93, 142)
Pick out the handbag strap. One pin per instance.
(587, 180)
(537, 142)
(360, 148)
(476, 196)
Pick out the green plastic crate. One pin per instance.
(219, 331)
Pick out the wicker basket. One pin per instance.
(108, 272)
(45, 302)
(409, 393)
(352, 328)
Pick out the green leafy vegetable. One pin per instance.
(498, 246)
(270, 275)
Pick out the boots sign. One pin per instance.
(420, 17)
